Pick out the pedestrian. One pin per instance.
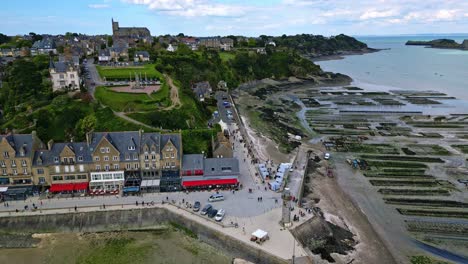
(104, 206)
(167, 198)
(143, 203)
(76, 208)
(41, 203)
(183, 200)
(136, 203)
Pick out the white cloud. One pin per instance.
(371, 14)
(98, 6)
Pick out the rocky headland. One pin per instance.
(440, 44)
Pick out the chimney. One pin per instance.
(49, 144)
(140, 132)
(89, 137)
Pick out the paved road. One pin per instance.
(95, 78)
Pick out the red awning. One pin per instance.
(63, 187)
(81, 186)
(209, 182)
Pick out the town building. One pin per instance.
(171, 48)
(130, 34)
(104, 56)
(141, 56)
(44, 46)
(222, 146)
(199, 172)
(108, 163)
(202, 90)
(64, 75)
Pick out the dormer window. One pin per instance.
(6, 155)
(80, 158)
(103, 150)
(56, 159)
(21, 152)
(132, 147)
(39, 161)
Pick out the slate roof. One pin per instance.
(48, 156)
(151, 139)
(192, 162)
(214, 166)
(59, 66)
(104, 52)
(20, 142)
(45, 43)
(142, 53)
(120, 140)
(175, 139)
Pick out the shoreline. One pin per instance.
(343, 54)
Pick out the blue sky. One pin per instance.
(239, 17)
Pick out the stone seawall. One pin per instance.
(115, 220)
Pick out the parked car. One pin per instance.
(216, 197)
(196, 206)
(205, 209)
(220, 215)
(327, 156)
(212, 213)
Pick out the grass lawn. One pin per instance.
(226, 56)
(125, 102)
(113, 73)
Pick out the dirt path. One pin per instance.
(174, 94)
(129, 119)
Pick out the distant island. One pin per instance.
(440, 44)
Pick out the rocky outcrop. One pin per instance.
(440, 44)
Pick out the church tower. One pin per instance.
(115, 27)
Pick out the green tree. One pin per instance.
(4, 38)
(85, 125)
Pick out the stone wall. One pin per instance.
(99, 221)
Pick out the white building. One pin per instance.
(106, 181)
(104, 55)
(64, 76)
(171, 48)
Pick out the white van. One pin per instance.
(216, 198)
(220, 215)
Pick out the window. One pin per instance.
(153, 157)
(25, 171)
(146, 157)
(103, 150)
(116, 166)
(146, 165)
(72, 168)
(96, 158)
(127, 156)
(71, 160)
(106, 158)
(96, 177)
(167, 164)
(57, 169)
(226, 169)
(131, 147)
(57, 178)
(107, 167)
(173, 164)
(107, 176)
(41, 180)
(172, 154)
(13, 163)
(128, 166)
(107, 150)
(4, 171)
(81, 177)
(61, 76)
(70, 177)
(56, 159)
(98, 167)
(135, 156)
(15, 172)
(72, 76)
(2, 163)
(80, 158)
(40, 171)
(39, 161)
(136, 165)
(65, 160)
(5, 154)
(23, 163)
(66, 169)
(167, 155)
(115, 158)
(81, 168)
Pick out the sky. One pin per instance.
(237, 17)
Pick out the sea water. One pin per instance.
(409, 68)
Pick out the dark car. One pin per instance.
(196, 206)
(206, 209)
(212, 213)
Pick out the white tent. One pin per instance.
(260, 234)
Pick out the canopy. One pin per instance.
(131, 188)
(62, 187)
(209, 182)
(3, 189)
(150, 183)
(260, 233)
